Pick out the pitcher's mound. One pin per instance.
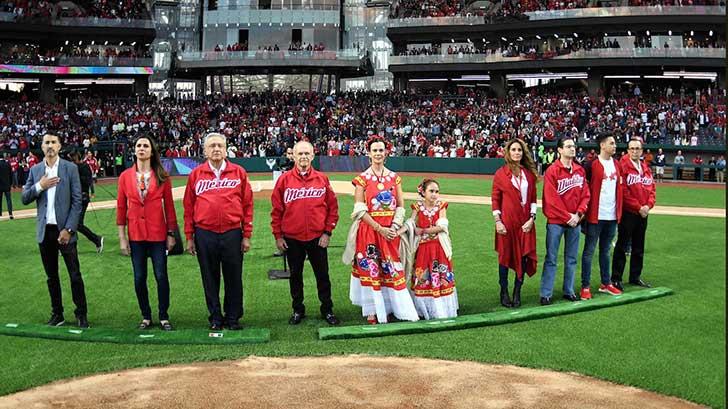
(339, 382)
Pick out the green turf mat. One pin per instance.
(118, 336)
(491, 318)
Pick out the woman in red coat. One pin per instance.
(514, 210)
(145, 206)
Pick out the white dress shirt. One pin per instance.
(50, 172)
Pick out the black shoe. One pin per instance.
(618, 285)
(83, 322)
(571, 297)
(505, 299)
(11, 217)
(516, 302)
(145, 324)
(234, 326)
(296, 318)
(638, 282)
(165, 325)
(56, 320)
(331, 319)
(545, 300)
(216, 326)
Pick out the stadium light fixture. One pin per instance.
(606, 35)
(691, 75)
(504, 39)
(473, 78)
(484, 40)
(710, 33)
(576, 35)
(669, 32)
(66, 42)
(121, 43)
(538, 36)
(80, 42)
(647, 32)
(93, 42)
(621, 76)
(629, 33)
(556, 36)
(428, 80)
(134, 43)
(106, 42)
(692, 33)
(19, 80)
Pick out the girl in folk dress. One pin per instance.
(432, 281)
(514, 209)
(378, 282)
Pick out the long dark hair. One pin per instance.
(526, 158)
(155, 161)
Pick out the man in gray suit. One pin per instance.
(55, 186)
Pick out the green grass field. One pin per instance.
(673, 345)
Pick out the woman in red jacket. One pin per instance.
(514, 209)
(144, 205)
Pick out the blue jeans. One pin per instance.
(571, 250)
(603, 232)
(156, 250)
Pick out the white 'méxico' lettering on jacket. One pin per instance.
(291, 194)
(633, 179)
(564, 185)
(203, 185)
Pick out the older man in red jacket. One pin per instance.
(305, 212)
(638, 200)
(218, 207)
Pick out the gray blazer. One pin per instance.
(68, 197)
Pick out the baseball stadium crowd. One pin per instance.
(510, 8)
(468, 124)
(17, 53)
(46, 10)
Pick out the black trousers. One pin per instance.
(8, 200)
(319, 259)
(49, 249)
(216, 250)
(83, 229)
(632, 228)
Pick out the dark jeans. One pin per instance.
(503, 273)
(216, 250)
(140, 251)
(631, 227)
(603, 233)
(49, 249)
(8, 200)
(319, 259)
(83, 229)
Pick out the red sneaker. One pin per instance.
(585, 294)
(609, 289)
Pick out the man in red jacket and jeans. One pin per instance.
(605, 211)
(638, 200)
(565, 201)
(304, 214)
(218, 207)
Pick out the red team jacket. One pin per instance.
(639, 189)
(218, 205)
(303, 207)
(147, 220)
(595, 188)
(564, 192)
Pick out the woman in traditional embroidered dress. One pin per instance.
(432, 281)
(514, 209)
(378, 282)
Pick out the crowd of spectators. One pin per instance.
(39, 10)
(15, 53)
(468, 124)
(293, 46)
(508, 8)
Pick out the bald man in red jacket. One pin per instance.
(304, 214)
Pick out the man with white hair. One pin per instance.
(304, 214)
(218, 217)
